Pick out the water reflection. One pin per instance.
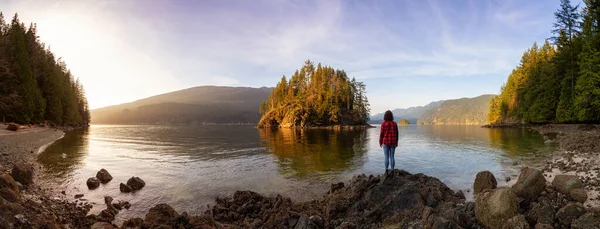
(517, 142)
(189, 166)
(65, 155)
(307, 152)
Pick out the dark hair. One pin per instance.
(388, 116)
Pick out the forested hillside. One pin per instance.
(34, 85)
(205, 104)
(469, 111)
(558, 82)
(412, 114)
(316, 96)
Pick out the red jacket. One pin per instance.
(389, 133)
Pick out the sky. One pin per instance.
(407, 52)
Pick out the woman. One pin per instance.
(388, 138)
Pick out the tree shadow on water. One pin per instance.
(319, 152)
(66, 154)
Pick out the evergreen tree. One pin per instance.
(587, 99)
(567, 20)
(316, 96)
(34, 86)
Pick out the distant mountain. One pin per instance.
(204, 104)
(470, 111)
(412, 114)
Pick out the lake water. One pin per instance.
(189, 166)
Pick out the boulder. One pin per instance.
(547, 213)
(565, 183)
(161, 214)
(104, 176)
(124, 188)
(530, 184)
(588, 221)
(12, 127)
(494, 207)
(136, 183)
(579, 195)
(543, 226)
(93, 183)
(23, 173)
(484, 180)
(570, 212)
(517, 222)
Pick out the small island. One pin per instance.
(318, 96)
(403, 122)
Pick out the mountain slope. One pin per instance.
(412, 114)
(470, 111)
(204, 104)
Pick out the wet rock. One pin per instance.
(125, 188)
(543, 226)
(579, 195)
(484, 180)
(133, 223)
(92, 183)
(161, 214)
(587, 221)
(102, 225)
(104, 176)
(494, 207)
(566, 183)
(108, 201)
(136, 183)
(569, 213)
(23, 173)
(517, 222)
(530, 183)
(108, 214)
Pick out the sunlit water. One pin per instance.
(189, 166)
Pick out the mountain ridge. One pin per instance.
(201, 104)
(412, 114)
(469, 111)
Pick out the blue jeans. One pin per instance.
(388, 153)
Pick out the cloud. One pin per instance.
(136, 48)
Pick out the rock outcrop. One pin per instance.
(397, 199)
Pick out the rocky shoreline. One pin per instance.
(562, 194)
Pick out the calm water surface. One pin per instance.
(188, 166)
